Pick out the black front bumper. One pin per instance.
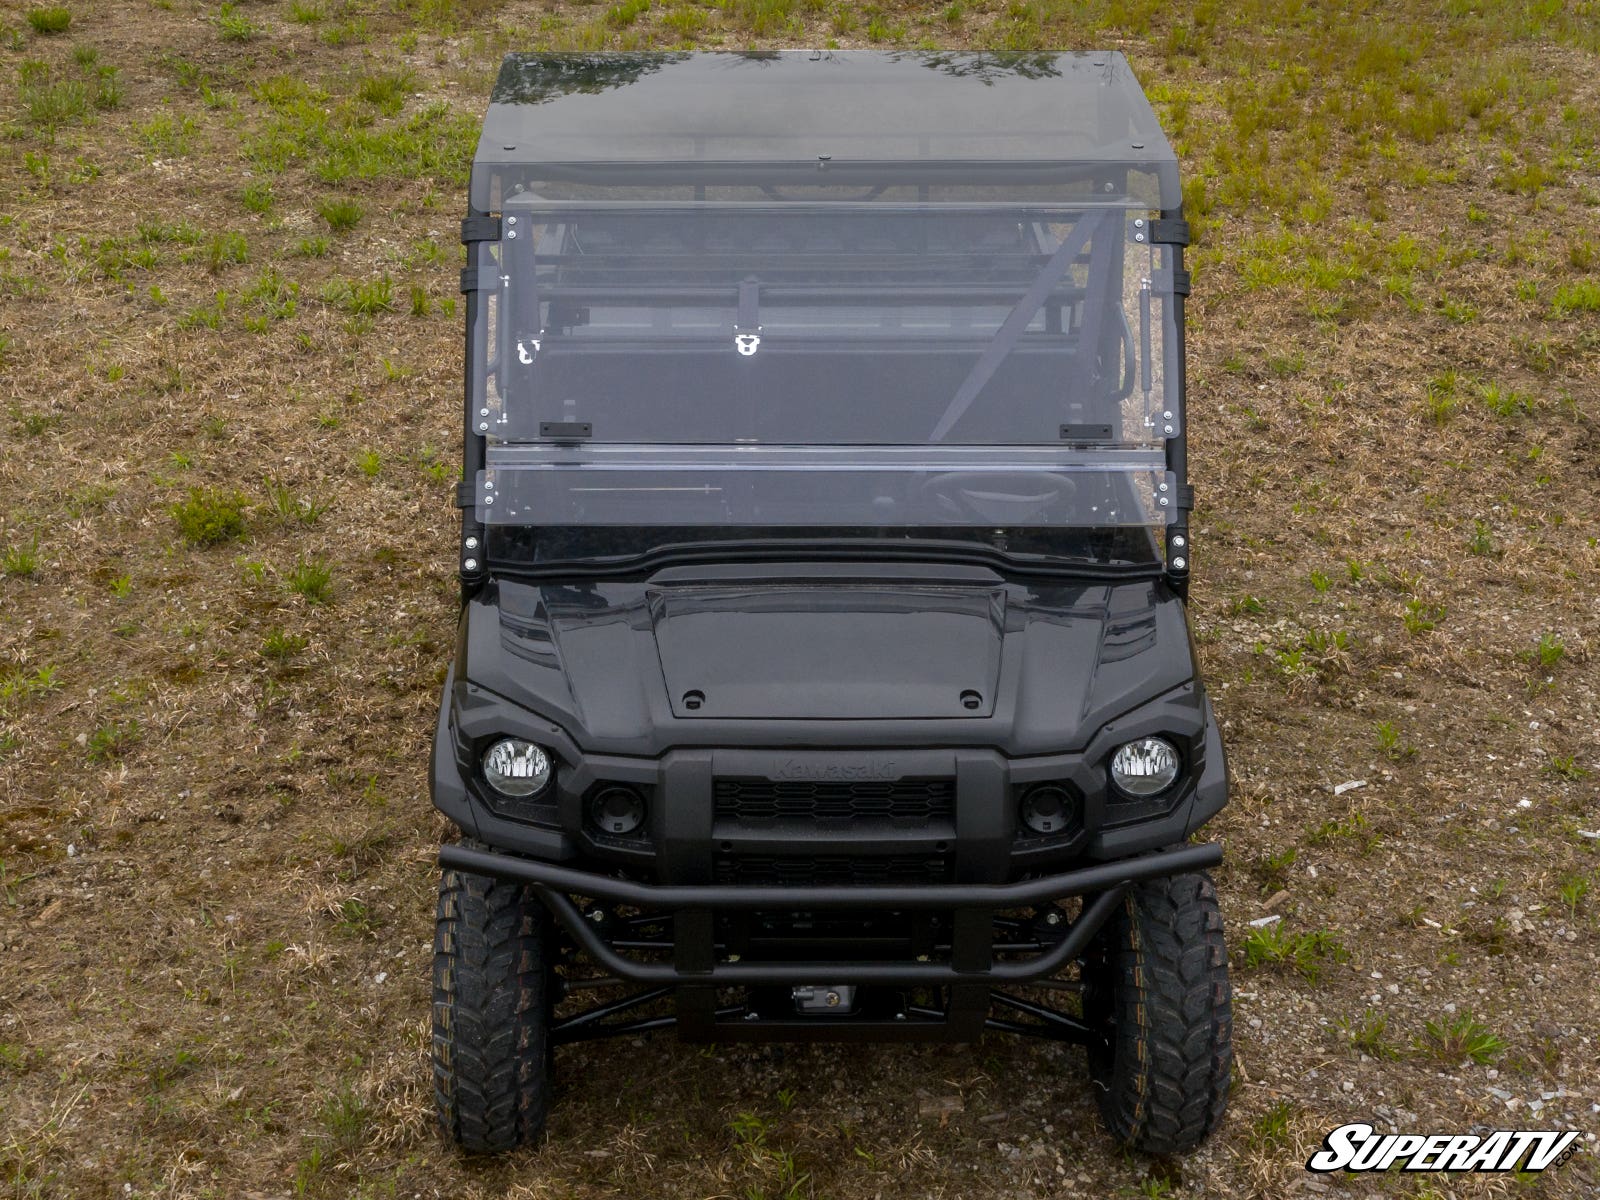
(972, 958)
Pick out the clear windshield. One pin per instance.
(795, 364)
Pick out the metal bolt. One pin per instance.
(1167, 416)
(1138, 222)
(484, 427)
(1162, 501)
(1167, 428)
(1180, 540)
(472, 543)
(483, 412)
(490, 500)
(1178, 564)
(1110, 187)
(1052, 917)
(1138, 237)
(511, 233)
(470, 564)
(1163, 487)
(596, 916)
(832, 1000)
(511, 220)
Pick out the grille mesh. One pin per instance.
(903, 801)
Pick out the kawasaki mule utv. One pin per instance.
(823, 668)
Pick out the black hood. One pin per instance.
(827, 656)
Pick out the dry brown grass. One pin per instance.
(1389, 198)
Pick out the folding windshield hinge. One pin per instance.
(480, 229)
(747, 326)
(1160, 231)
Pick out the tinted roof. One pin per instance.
(889, 116)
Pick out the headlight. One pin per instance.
(1145, 767)
(514, 767)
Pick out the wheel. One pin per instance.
(1157, 984)
(491, 1013)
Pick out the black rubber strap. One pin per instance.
(480, 229)
(1169, 231)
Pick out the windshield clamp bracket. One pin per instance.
(1162, 231)
(745, 342)
(480, 229)
(528, 349)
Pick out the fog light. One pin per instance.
(1145, 767)
(617, 810)
(514, 767)
(1048, 808)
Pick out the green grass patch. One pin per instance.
(341, 215)
(234, 26)
(311, 578)
(113, 741)
(1458, 1038)
(209, 517)
(1306, 953)
(49, 21)
(360, 297)
(1580, 297)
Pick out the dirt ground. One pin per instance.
(229, 362)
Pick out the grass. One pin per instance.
(1547, 655)
(341, 215)
(281, 646)
(21, 562)
(1307, 953)
(1582, 296)
(234, 26)
(112, 742)
(312, 579)
(49, 21)
(1451, 1040)
(257, 197)
(210, 517)
(365, 297)
(1368, 1034)
(292, 510)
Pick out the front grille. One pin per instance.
(827, 870)
(901, 801)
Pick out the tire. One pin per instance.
(1157, 984)
(491, 1013)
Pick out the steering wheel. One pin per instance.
(999, 498)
